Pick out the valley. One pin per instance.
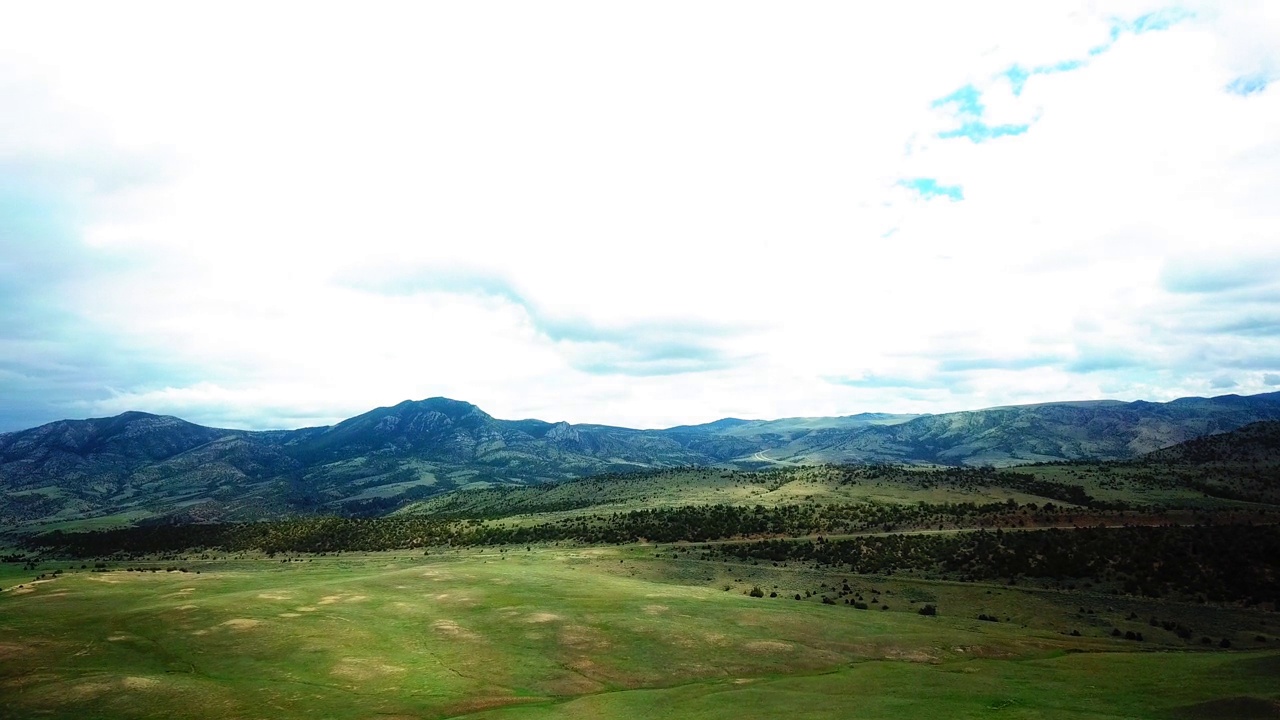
(1138, 587)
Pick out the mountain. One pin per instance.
(1105, 430)
(141, 467)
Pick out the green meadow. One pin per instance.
(600, 632)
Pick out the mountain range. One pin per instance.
(142, 467)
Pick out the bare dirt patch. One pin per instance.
(581, 637)
(12, 650)
(275, 595)
(88, 690)
(290, 615)
(241, 623)
(139, 683)
(769, 646)
(453, 629)
(363, 669)
(542, 617)
(478, 704)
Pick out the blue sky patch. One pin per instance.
(1247, 85)
(981, 132)
(929, 188)
(967, 100)
(1018, 75)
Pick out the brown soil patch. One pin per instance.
(769, 646)
(88, 691)
(275, 595)
(329, 599)
(1240, 708)
(453, 629)
(363, 669)
(573, 684)
(290, 615)
(307, 608)
(716, 639)
(542, 617)
(475, 705)
(12, 650)
(581, 637)
(139, 683)
(241, 623)
(918, 656)
(187, 607)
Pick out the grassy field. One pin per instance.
(678, 488)
(627, 632)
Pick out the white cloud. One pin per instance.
(621, 169)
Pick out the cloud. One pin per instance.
(1222, 382)
(659, 346)
(1219, 274)
(1097, 360)
(1271, 379)
(879, 382)
(822, 212)
(1023, 363)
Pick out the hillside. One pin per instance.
(136, 467)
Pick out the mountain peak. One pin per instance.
(443, 405)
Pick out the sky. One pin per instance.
(275, 215)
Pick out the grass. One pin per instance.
(562, 632)
(668, 489)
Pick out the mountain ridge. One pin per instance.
(140, 465)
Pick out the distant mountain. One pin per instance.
(141, 467)
(1106, 430)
